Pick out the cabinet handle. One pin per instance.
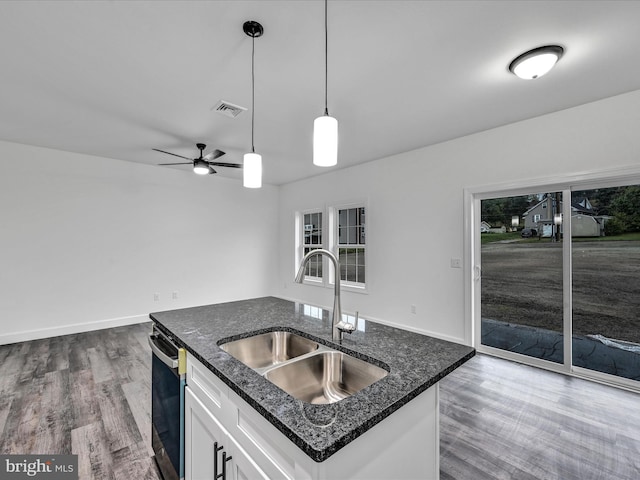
(216, 449)
(225, 459)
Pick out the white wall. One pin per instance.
(415, 217)
(85, 241)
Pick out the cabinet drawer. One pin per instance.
(209, 389)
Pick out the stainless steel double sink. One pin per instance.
(305, 369)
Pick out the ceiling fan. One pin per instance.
(203, 164)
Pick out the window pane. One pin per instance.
(351, 231)
(360, 265)
(352, 236)
(342, 217)
(605, 236)
(352, 264)
(521, 284)
(312, 239)
(342, 235)
(353, 217)
(314, 267)
(351, 273)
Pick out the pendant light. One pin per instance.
(252, 167)
(535, 63)
(325, 128)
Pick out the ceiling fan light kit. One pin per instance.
(536, 62)
(325, 128)
(202, 168)
(203, 164)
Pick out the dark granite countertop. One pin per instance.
(415, 362)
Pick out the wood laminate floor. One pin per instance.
(503, 420)
(89, 394)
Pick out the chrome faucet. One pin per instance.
(338, 325)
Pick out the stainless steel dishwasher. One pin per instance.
(168, 379)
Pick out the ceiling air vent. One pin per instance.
(228, 109)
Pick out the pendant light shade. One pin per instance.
(252, 170)
(325, 141)
(252, 167)
(535, 63)
(325, 128)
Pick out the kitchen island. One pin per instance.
(393, 422)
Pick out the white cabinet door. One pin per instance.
(211, 453)
(242, 466)
(203, 435)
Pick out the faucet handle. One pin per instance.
(348, 327)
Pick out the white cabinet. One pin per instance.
(403, 446)
(210, 452)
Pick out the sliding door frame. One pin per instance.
(472, 271)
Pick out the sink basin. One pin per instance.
(268, 349)
(325, 377)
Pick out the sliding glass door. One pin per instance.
(557, 278)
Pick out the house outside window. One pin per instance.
(351, 245)
(312, 240)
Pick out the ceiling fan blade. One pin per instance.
(211, 170)
(169, 153)
(213, 155)
(223, 164)
(182, 163)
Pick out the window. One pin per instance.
(345, 237)
(351, 245)
(312, 240)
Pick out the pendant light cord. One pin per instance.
(326, 60)
(253, 89)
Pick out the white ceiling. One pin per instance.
(116, 79)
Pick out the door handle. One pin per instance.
(477, 272)
(164, 358)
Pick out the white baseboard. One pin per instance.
(27, 335)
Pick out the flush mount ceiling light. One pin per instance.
(325, 128)
(535, 63)
(252, 177)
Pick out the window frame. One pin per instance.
(301, 245)
(329, 242)
(334, 246)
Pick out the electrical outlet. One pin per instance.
(156, 297)
(174, 295)
(456, 263)
(413, 309)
